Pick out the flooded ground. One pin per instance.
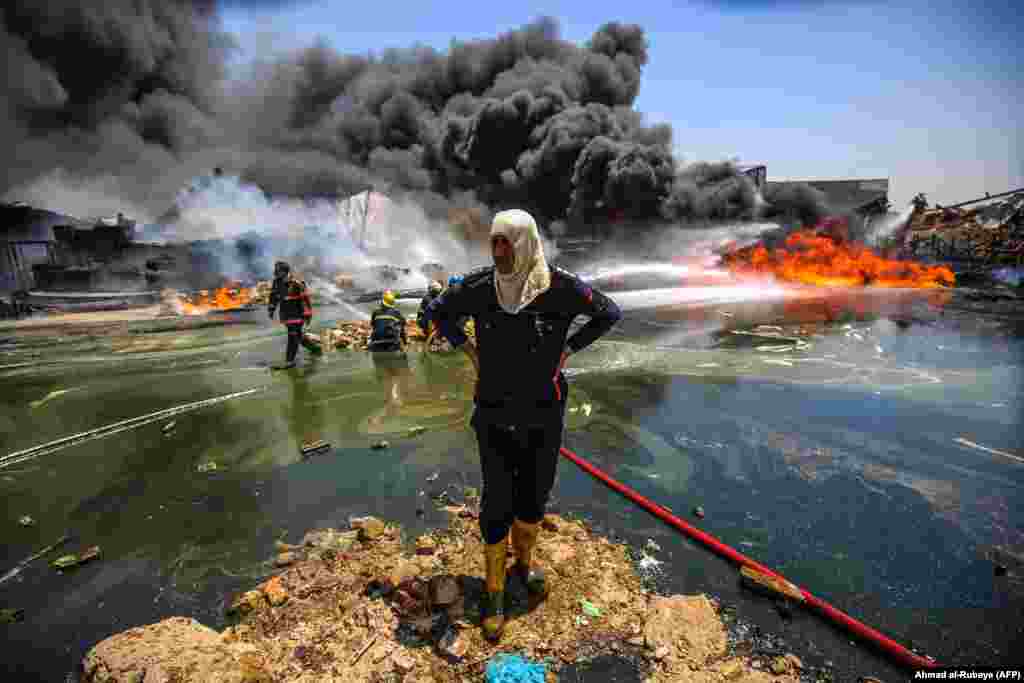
(867, 445)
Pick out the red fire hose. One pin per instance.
(891, 647)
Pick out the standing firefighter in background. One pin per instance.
(292, 295)
(433, 291)
(387, 339)
(522, 310)
(387, 325)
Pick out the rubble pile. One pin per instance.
(367, 604)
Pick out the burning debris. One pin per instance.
(826, 260)
(230, 297)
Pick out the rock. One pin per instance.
(444, 590)
(369, 528)
(176, 649)
(405, 571)
(285, 559)
(275, 592)
(561, 553)
(407, 603)
(457, 609)
(731, 669)
(661, 653)
(453, 644)
(402, 662)
(687, 621)
(252, 670)
(330, 539)
(247, 602)
(25, 520)
(379, 445)
(551, 523)
(425, 545)
(699, 512)
(788, 663)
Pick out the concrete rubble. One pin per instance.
(367, 604)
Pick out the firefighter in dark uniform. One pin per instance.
(522, 311)
(387, 341)
(292, 295)
(387, 325)
(433, 291)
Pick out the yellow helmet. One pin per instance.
(389, 298)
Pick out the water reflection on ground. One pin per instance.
(865, 447)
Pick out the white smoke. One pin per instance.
(318, 237)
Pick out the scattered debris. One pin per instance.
(169, 427)
(25, 520)
(32, 558)
(652, 546)
(416, 431)
(11, 616)
(315, 448)
(589, 608)
(50, 396)
(207, 467)
(698, 512)
(385, 613)
(75, 560)
(378, 445)
(993, 451)
(506, 667)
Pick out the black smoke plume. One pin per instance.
(136, 93)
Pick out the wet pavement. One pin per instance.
(864, 445)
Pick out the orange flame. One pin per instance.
(816, 259)
(225, 298)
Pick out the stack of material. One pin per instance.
(355, 335)
(262, 292)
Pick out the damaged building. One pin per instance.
(860, 202)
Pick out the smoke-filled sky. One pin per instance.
(124, 101)
(926, 93)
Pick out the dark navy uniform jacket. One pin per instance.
(387, 326)
(294, 300)
(520, 380)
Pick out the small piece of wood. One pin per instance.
(362, 650)
(770, 584)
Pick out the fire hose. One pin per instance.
(886, 644)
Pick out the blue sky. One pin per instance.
(928, 94)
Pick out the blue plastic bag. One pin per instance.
(505, 668)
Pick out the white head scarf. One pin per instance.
(531, 276)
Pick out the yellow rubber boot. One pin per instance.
(524, 540)
(493, 608)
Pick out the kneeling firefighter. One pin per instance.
(292, 295)
(522, 310)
